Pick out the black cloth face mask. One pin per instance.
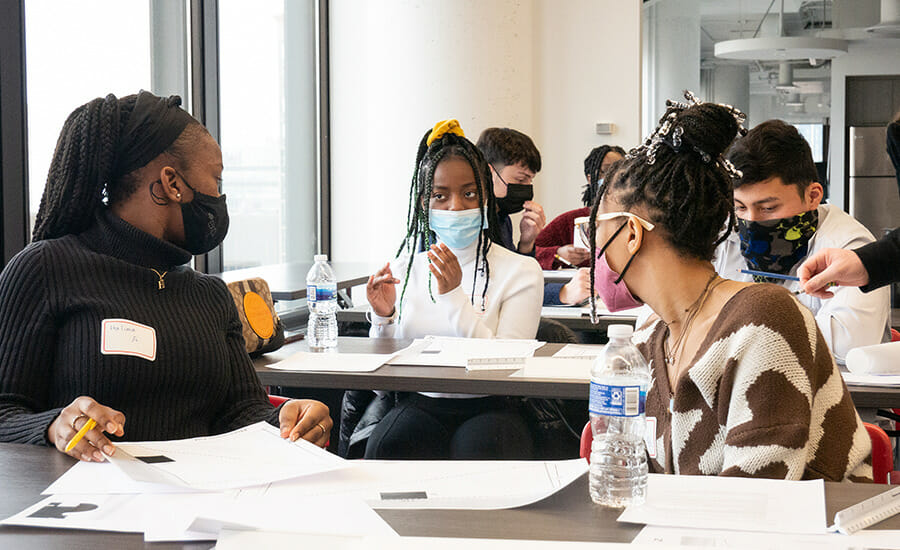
(517, 194)
(205, 221)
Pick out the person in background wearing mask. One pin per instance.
(743, 384)
(872, 266)
(514, 160)
(132, 195)
(554, 245)
(781, 220)
(460, 284)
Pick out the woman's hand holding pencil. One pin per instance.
(79, 428)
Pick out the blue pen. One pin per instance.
(770, 275)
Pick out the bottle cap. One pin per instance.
(619, 331)
(320, 258)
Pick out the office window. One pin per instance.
(267, 94)
(74, 52)
(814, 134)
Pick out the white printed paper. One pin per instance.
(332, 362)
(556, 368)
(439, 484)
(240, 540)
(446, 351)
(579, 351)
(252, 455)
(659, 537)
(743, 504)
(286, 512)
(855, 379)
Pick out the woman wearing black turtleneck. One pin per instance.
(101, 318)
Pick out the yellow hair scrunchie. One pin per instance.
(450, 125)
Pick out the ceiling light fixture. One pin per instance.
(781, 48)
(786, 78)
(889, 26)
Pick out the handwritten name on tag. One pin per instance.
(124, 337)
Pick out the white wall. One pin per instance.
(540, 66)
(588, 70)
(874, 57)
(397, 67)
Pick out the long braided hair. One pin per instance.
(419, 235)
(83, 176)
(680, 176)
(592, 165)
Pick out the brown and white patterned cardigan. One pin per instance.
(763, 398)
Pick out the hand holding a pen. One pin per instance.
(830, 267)
(572, 256)
(72, 433)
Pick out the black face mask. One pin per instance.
(205, 221)
(517, 194)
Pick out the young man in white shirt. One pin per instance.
(781, 220)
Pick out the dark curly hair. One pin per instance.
(680, 177)
(592, 164)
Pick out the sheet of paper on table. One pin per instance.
(435, 484)
(304, 361)
(102, 478)
(853, 379)
(240, 540)
(252, 455)
(200, 516)
(741, 504)
(554, 368)
(579, 351)
(253, 511)
(440, 484)
(742, 540)
(577, 312)
(446, 351)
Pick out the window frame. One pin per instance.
(203, 90)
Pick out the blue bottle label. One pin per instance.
(616, 400)
(320, 293)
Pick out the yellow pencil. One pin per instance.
(89, 425)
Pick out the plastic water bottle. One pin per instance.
(321, 296)
(619, 381)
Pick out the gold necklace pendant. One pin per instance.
(161, 284)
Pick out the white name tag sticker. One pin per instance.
(650, 436)
(124, 337)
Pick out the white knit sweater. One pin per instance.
(511, 307)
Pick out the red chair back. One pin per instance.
(882, 457)
(587, 438)
(276, 400)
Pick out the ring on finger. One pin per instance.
(321, 427)
(76, 419)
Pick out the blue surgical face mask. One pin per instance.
(456, 228)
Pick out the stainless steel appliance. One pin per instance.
(874, 197)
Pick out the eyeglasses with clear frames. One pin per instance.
(583, 227)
